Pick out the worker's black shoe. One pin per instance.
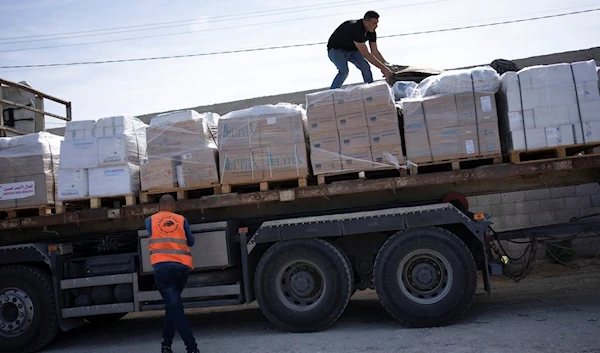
(194, 351)
(166, 349)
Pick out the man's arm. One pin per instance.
(377, 54)
(188, 233)
(362, 48)
(148, 224)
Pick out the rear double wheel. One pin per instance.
(425, 277)
(303, 285)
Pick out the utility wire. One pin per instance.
(262, 12)
(294, 45)
(203, 30)
(199, 22)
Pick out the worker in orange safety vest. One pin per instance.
(171, 259)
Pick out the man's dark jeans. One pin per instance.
(171, 281)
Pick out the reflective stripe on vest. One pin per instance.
(168, 242)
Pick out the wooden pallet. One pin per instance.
(26, 211)
(265, 185)
(454, 164)
(185, 193)
(552, 153)
(97, 202)
(329, 178)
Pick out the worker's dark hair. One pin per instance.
(371, 14)
(166, 202)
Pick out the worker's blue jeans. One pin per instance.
(171, 281)
(340, 59)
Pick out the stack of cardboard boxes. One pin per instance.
(181, 151)
(101, 159)
(551, 105)
(262, 143)
(353, 129)
(28, 166)
(450, 127)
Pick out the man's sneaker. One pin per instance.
(194, 351)
(166, 349)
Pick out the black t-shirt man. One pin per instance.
(348, 44)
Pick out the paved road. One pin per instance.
(555, 312)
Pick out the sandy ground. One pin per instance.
(555, 309)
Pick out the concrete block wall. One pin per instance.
(524, 209)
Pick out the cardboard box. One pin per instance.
(238, 133)
(324, 162)
(440, 112)
(280, 129)
(117, 151)
(516, 140)
(377, 94)
(556, 115)
(44, 190)
(158, 173)
(78, 154)
(321, 119)
(283, 162)
(591, 131)
(328, 141)
(561, 135)
(469, 141)
(114, 181)
(486, 108)
(354, 138)
(515, 121)
(199, 168)
(166, 142)
(578, 133)
(22, 166)
(563, 94)
(387, 155)
(72, 184)
(590, 111)
(358, 159)
(346, 99)
(385, 135)
(510, 91)
(535, 138)
(445, 143)
(241, 166)
(489, 139)
(381, 115)
(351, 120)
(465, 108)
(529, 119)
(319, 99)
(543, 76)
(413, 116)
(9, 194)
(417, 147)
(584, 71)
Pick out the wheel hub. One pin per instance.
(16, 312)
(301, 286)
(425, 276)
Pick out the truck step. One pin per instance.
(96, 202)
(265, 185)
(185, 193)
(26, 211)
(195, 304)
(553, 153)
(378, 173)
(455, 164)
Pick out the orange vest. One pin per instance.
(168, 241)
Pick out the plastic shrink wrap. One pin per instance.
(263, 143)
(354, 129)
(482, 79)
(90, 147)
(28, 165)
(181, 151)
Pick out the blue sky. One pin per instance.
(145, 87)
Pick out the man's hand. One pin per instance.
(387, 73)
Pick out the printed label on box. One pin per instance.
(20, 190)
(486, 104)
(470, 145)
(551, 133)
(271, 121)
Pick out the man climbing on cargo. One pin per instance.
(348, 44)
(171, 258)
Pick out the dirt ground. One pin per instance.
(555, 309)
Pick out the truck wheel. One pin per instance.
(425, 277)
(303, 285)
(28, 319)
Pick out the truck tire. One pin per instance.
(425, 277)
(28, 318)
(303, 285)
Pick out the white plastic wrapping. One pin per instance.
(114, 181)
(27, 170)
(263, 143)
(482, 79)
(354, 129)
(181, 151)
(404, 89)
